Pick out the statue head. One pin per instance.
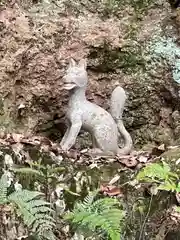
(76, 75)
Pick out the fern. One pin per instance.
(30, 206)
(160, 174)
(3, 188)
(28, 174)
(98, 215)
(177, 209)
(27, 171)
(156, 172)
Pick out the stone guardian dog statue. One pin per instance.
(105, 128)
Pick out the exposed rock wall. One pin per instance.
(38, 37)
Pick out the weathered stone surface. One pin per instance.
(36, 41)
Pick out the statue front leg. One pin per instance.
(65, 136)
(94, 143)
(72, 134)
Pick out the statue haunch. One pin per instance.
(103, 126)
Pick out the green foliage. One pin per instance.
(160, 174)
(37, 172)
(101, 216)
(3, 189)
(28, 173)
(31, 207)
(177, 209)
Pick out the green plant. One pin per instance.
(30, 206)
(38, 173)
(101, 217)
(161, 174)
(163, 178)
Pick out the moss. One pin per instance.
(107, 8)
(5, 119)
(128, 59)
(113, 7)
(1, 107)
(171, 155)
(141, 6)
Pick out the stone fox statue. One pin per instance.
(104, 127)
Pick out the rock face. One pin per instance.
(37, 38)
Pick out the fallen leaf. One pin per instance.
(110, 190)
(157, 151)
(73, 154)
(153, 189)
(115, 179)
(17, 137)
(143, 159)
(17, 148)
(93, 165)
(8, 160)
(177, 161)
(84, 150)
(172, 147)
(5, 208)
(129, 162)
(162, 147)
(178, 197)
(21, 106)
(103, 188)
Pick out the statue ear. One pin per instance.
(72, 63)
(83, 63)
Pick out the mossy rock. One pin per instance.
(172, 154)
(172, 157)
(109, 60)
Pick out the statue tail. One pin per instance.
(118, 99)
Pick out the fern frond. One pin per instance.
(177, 209)
(94, 221)
(56, 170)
(87, 202)
(28, 175)
(156, 171)
(104, 204)
(41, 209)
(30, 220)
(24, 195)
(27, 171)
(42, 222)
(3, 188)
(45, 232)
(35, 212)
(167, 186)
(100, 215)
(39, 202)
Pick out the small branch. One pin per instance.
(145, 220)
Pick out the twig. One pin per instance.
(147, 215)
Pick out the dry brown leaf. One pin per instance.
(143, 159)
(115, 179)
(178, 197)
(110, 190)
(73, 154)
(129, 162)
(17, 137)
